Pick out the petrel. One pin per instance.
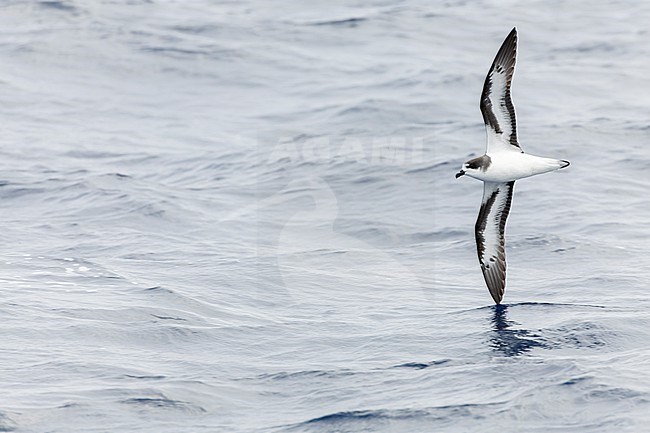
(504, 162)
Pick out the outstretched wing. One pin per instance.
(496, 103)
(489, 231)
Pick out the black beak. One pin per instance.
(460, 173)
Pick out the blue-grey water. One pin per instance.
(242, 216)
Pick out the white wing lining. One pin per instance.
(496, 102)
(490, 235)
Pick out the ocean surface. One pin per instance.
(242, 216)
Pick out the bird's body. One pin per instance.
(508, 166)
(503, 163)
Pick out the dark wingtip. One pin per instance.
(566, 163)
(506, 56)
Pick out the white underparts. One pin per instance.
(509, 166)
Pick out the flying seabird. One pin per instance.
(503, 163)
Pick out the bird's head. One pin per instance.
(474, 166)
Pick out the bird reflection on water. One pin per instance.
(507, 341)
